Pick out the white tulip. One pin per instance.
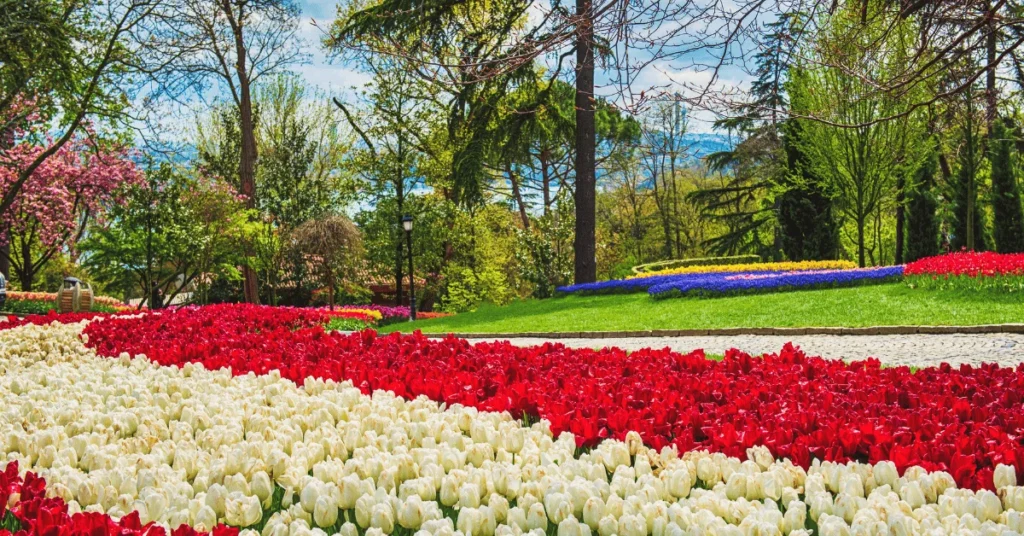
(517, 518)
(469, 496)
(499, 506)
(382, 518)
(885, 473)
(557, 507)
(608, 526)
(829, 525)
(470, 521)
(216, 498)
(536, 518)
(1004, 476)
(242, 510)
(632, 525)
(205, 519)
(325, 511)
(912, 494)
(364, 510)
(593, 511)
(262, 487)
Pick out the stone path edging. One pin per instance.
(874, 330)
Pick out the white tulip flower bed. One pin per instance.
(199, 447)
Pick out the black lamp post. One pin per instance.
(407, 225)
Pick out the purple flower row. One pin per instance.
(639, 284)
(725, 283)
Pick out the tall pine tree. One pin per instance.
(965, 189)
(922, 223)
(806, 221)
(1008, 231)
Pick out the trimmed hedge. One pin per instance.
(700, 261)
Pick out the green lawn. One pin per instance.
(879, 305)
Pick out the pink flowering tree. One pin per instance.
(60, 197)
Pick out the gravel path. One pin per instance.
(914, 350)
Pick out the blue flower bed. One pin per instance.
(729, 283)
(639, 284)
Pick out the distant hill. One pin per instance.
(702, 144)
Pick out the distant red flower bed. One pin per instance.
(25, 511)
(962, 420)
(969, 263)
(13, 321)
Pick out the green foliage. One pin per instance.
(41, 307)
(220, 144)
(702, 261)
(807, 224)
(346, 324)
(483, 267)
(467, 288)
(1008, 232)
(964, 194)
(28, 307)
(544, 254)
(35, 45)
(1001, 284)
(922, 221)
(301, 176)
(383, 235)
(171, 230)
(861, 139)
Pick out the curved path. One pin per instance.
(893, 350)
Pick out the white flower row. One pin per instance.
(200, 447)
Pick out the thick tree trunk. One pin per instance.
(27, 272)
(247, 128)
(584, 245)
(5, 260)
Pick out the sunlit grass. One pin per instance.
(880, 305)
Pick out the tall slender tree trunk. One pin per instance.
(991, 101)
(400, 200)
(247, 128)
(518, 194)
(860, 240)
(900, 211)
(585, 241)
(545, 180)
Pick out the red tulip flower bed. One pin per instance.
(32, 514)
(968, 270)
(963, 420)
(14, 321)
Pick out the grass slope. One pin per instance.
(879, 305)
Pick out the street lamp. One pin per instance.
(407, 225)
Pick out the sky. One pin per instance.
(336, 78)
(320, 71)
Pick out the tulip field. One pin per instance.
(231, 419)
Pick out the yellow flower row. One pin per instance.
(375, 315)
(754, 267)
